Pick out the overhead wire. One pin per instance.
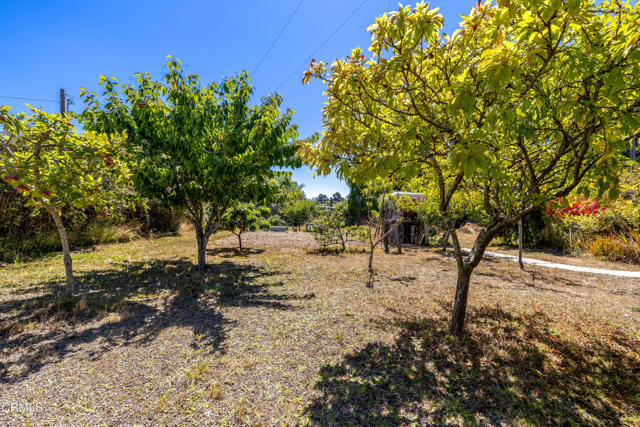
(306, 60)
(284, 27)
(29, 99)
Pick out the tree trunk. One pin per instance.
(465, 269)
(456, 325)
(240, 240)
(446, 241)
(66, 252)
(370, 267)
(202, 240)
(520, 244)
(386, 240)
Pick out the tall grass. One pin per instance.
(21, 248)
(621, 247)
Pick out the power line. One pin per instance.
(322, 44)
(29, 99)
(277, 37)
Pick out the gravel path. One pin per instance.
(635, 274)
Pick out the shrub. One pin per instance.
(19, 248)
(621, 247)
(155, 218)
(276, 220)
(329, 227)
(581, 207)
(298, 212)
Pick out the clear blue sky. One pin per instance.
(47, 45)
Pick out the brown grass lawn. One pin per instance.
(282, 334)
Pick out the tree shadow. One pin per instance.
(131, 306)
(509, 368)
(228, 252)
(536, 280)
(336, 251)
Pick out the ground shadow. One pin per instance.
(144, 298)
(336, 251)
(234, 252)
(508, 369)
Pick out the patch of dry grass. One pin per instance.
(281, 333)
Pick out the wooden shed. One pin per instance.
(411, 230)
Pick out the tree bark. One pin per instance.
(520, 225)
(202, 240)
(446, 241)
(240, 240)
(66, 252)
(466, 265)
(370, 268)
(456, 326)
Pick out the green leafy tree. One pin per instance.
(43, 158)
(201, 147)
(524, 103)
(322, 199)
(298, 212)
(361, 201)
(244, 218)
(329, 226)
(336, 198)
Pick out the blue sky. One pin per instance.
(48, 45)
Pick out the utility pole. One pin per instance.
(63, 101)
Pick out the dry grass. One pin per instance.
(282, 333)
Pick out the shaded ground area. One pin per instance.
(280, 333)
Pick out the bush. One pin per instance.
(25, 235)
(298, 212)
(329, 227)
(539, 231)
(276, 220)
(156, 218)
(621, 247)
(19, 248)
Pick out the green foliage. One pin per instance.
(244, 218)
(276, 220)
(501, 106)
(298, 212)
(43, 158)
(336, 198)
(201, 147)
(154, 218)
(322, 199)
(17, 220)
(361, 202)
(51, 166)
(329, 227)
(288, 190)
(521, 105)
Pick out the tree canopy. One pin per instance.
(521, 104)
(43, 158)
(243, 218)
(202, 147)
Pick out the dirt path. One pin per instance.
(619, 273)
